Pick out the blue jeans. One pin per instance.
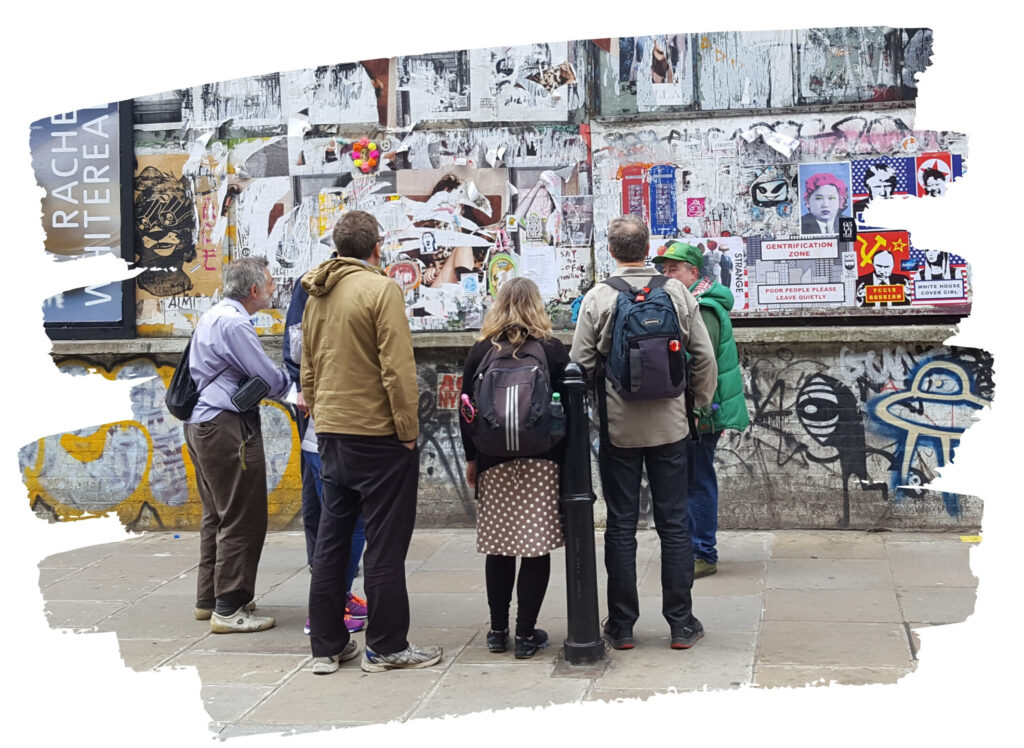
(621, 471)
(312, 501)
(703, 490)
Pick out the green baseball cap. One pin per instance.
(683, 253)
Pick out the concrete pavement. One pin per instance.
(786, 608)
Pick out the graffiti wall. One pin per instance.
(840, 436)
(482, 164)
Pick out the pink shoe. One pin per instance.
(356, 606)
(353, 624)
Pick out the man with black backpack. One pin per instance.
(634, 335)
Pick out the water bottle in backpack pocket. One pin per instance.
(512, 397)
(646, 360)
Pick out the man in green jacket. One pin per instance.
(728, 410)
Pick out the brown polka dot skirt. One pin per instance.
(518, 509)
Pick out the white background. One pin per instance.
(70, 689)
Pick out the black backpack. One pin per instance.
(182, 393)
(512, 397)
(647, 360)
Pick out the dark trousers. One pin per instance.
(312, 501)
(621, 471)
(377, 477)
(227, 452)
(500, 573)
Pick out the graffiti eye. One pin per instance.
(810, 409)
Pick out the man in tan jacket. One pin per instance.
(358, 377)
(635, 433)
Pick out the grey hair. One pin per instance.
(242, 274)
(628, 238)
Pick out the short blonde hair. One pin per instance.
(517, 314)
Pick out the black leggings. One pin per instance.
(500, 572)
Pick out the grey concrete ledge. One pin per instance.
(934, 334)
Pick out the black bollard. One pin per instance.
(584, 644)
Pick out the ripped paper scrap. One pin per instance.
(776, 140)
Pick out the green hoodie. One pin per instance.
(715, 302)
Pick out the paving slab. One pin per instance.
(778, 676)
(931, 564)
(124, 589)
(269, 579)
(733, 578)
(79, 558)
(230, 703)
(469, 688)
(443, 581)
(735, 545)
(937, 604)
(829, 573)
(449, 609)
(728, 612)
(721, 659)
(183, 585)
(827, 544)
(242, 729)
(136, 566)
(349, 696)
(146, 654)
(291, 592)
(830, 643)
(179, 543)
(80, 614)
(219, 668)
(48, 576)
(424, 545)
(156, 616)
(620, 694)
(872, 605)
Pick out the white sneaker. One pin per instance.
(328, 665)
(204, 614)
(412, 657)
(239, 622)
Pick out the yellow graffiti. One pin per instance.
(921, 393)
(283, 502)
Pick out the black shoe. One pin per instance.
(619, 639)
(527, 646)
(497, 641)
(684, 637)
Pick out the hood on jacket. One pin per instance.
(703, 289)
(320, 280)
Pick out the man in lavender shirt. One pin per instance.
(226, 448)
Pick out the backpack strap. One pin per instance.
(620, 284)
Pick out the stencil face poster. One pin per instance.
(824, 197)
(881, 258)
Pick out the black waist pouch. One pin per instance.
(249, 393)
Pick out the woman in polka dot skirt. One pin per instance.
(517, 497)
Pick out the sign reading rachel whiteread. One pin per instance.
(801, 249)
(75, 156)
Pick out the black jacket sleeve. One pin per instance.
(291, 320)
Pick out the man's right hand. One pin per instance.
(409, 445)
(300, 402)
